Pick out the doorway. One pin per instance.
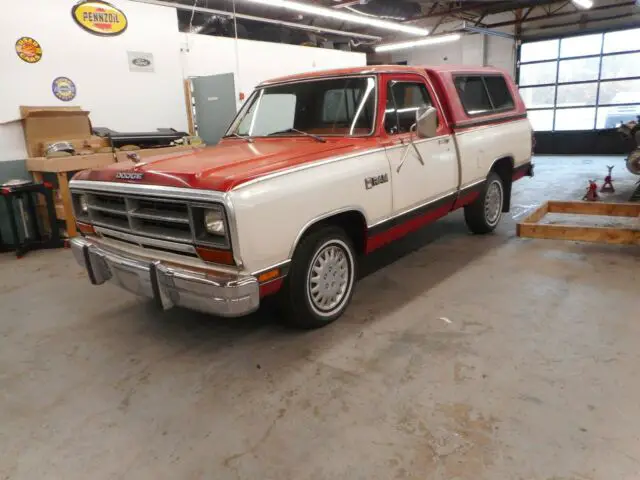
(214, 101)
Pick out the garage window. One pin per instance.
(582, 82)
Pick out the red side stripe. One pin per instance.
(376, 241)
(518, 174)
(394, 233)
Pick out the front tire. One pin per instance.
(484, 214)
(320, 283)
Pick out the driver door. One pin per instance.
(417, 180)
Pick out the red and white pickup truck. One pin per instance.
(315, 171)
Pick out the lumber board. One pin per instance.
(65, 194)
(594, 208)
(615, 236)
(537, 214)
(188, 99)
(69, 164)
(531, 228)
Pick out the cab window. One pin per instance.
(484, 94)
(404, 99)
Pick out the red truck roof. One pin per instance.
(442, 77)
(376, 69)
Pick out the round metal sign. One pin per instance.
(64, 89)
(29, 50)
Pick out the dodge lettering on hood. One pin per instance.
(314, 172)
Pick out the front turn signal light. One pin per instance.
(85, 228)
(215, 255)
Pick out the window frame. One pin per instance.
(493, 110)
(259, 91)
(599, 80)
(389, 88)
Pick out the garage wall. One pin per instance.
(206, 55)
(469, 50)
(116, 97)
(98, 66)
(501, 53)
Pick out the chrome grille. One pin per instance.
(153, 217)
(149, 222)
(161, 219)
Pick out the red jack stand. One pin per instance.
(592, 192)
(607, 186)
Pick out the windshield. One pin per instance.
(343, 106)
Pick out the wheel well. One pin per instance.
(504, 168)
(352, 222)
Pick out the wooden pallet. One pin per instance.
(532, 228)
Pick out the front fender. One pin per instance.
(271, 215)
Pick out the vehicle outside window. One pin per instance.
(612, 117)
(330, 107)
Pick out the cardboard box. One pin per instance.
(50, 124)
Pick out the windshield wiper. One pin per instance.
(295, 130)
(237, 135)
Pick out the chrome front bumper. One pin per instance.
(217, 294)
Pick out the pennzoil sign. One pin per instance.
(100, 18)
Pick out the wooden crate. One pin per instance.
(532, 228)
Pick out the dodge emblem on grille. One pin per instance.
(129, 175)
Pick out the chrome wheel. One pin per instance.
(493, 203)
(330, 278)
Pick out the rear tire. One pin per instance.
(320, 283)
(484, 214)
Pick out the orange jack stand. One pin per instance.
(592, 192)
(607, 186)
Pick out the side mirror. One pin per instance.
(427, 122)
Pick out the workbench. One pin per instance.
(62, 167)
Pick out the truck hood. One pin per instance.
(229, 164)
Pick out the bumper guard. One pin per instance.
(219, 294)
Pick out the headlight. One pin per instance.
(84, 204)
(214, 222)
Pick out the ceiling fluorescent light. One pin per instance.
(314, 10)
(281, 23)
(386, 17)
(388, 47)
(583, 3)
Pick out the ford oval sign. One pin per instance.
(99, 18)
(141, 62)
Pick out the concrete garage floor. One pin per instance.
(533, 374)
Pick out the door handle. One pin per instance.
(443, 141)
